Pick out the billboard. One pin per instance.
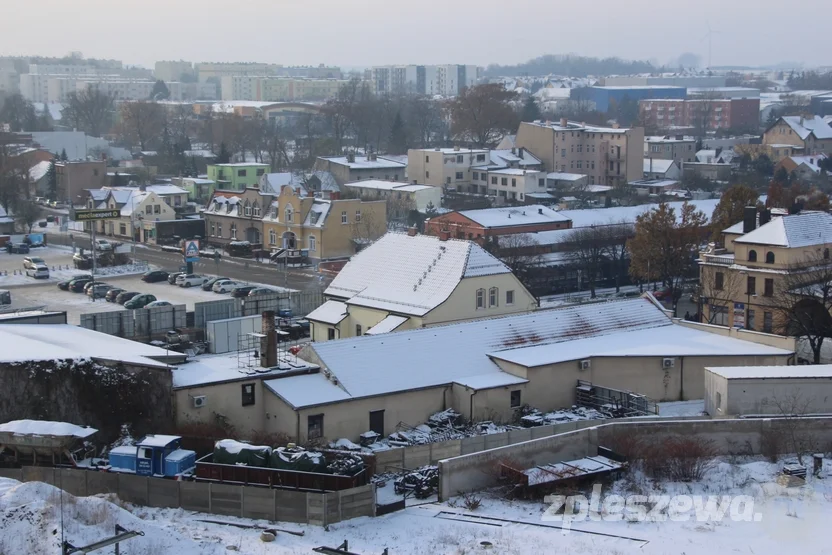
(192, 250)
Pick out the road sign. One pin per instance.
(90, 215)
(192, 250)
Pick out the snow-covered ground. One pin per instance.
(790, 521)
(682, 408)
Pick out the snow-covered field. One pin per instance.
(790, 521)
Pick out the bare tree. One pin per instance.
(26, 213)
(483, 114)
(588, 251)
(520, 252)
(14, 177)
(617, 236)
(142, 122)
(793, 406)
(367, 229)
(802, 301)
(424, 117)
(90, 110)
(718, 286)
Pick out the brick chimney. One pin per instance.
(444, 235)
(335, 195)
(563, 122)
(412, 231)
(268, 344)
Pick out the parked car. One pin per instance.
(103, 245)
(38, 272)
(172, 277)
(77, 285)
(261, 291)
(50, 219)
(209, 285)
(99, 290)
(52, 204)
(64, 285)
(17, 248)
(189, 280)
(225, 286)
(125, 296)
(139, 301)
(112, 293)
(32, 262)
(158, 303)
(242, 291)
(93, 282)
(154, 275)
(42, 223)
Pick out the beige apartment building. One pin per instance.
(806, 135)
(353, 167)
(742, 283)
(678, 148)
(608, 155)
(451, 168)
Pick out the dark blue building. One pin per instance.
(603, 96)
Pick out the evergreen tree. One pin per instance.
(224, 157)
(398, 136)
(531, 111)
(160, 91)
(64, 156)
(52, 181)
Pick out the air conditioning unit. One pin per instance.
(668, 362)
(585, 364)
(200, 401)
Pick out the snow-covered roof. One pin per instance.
(411, 275)
(134, 201)
(163, 189)
(772, 372)
(812, 162)
(316, 217)
(221, 368)
(307, 390)
(331, 312)
(39, 170)
(462, 353)
(577, 126)
(387, 325)
(508, 216)
(667, 139)
(658, 183)
(157, 440)
(365, 163)
(505, 157)
(655, 165)
(664, 341)
(513, 171)
(792, 231)
(616, 214)
(383, 185)
(806, 126)
(23, 342)
(565, 176)
(46, 428)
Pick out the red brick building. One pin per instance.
(479, 224)
(717, 113)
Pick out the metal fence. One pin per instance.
(141, 323)
(300, 303)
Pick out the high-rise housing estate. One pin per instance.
(207, 70)
(443, 80)
(278, 89)
(173, 70)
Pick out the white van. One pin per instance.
(103, 245)
(38, 272)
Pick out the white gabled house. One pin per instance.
(406, 281)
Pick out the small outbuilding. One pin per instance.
(775, 390)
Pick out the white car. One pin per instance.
(157, 303)
(38, 272)
(103, 245)
(226, 286)
(190, 280)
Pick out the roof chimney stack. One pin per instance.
(444, 235)
(412, 231)
(749, 219)
(268, 344)
(563, 122)
(540, 211)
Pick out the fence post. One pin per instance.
(242, 501)
(324, 510)
(210, 496)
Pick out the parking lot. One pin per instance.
(29, 292)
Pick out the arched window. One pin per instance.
(480, 298)
(255, 210)
(769, 257)
(493, 297)
(752, 256)
(289, 214)
(247, 209)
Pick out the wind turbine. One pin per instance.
(709, 36)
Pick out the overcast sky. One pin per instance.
(373, 32)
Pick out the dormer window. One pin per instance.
(752, 255)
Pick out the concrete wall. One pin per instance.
(220, 499)
(300, 302)
(224, 399)
(139, 323)
(478, 470)
(767, 396)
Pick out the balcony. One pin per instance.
(726, 259)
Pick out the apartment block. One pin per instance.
(608, 155)
(452, 168)
(443, 80)
(173, 70)
(711, 114)
(679, 148)
(278, 89)
(207, 70)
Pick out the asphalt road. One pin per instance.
(302, 279)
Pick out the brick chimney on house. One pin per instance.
(268, 344)
(412, 231)
(444, 235)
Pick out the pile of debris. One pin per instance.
(533, 417)
(420, 483)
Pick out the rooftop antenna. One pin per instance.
(709, 35)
